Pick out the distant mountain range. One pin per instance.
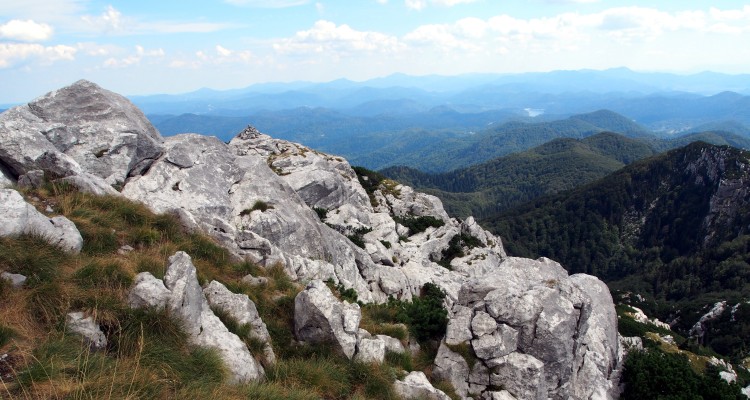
(400, 120)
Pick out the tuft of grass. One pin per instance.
(401, 361)
(47, 303)
(32, 256)
(103, 274)
(466, 351)
(6, 334)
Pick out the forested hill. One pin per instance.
(673, 227)
(498, 184)
(513, 137)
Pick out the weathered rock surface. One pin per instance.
(186, 301)
(242, 309)
(81, 127)
(416, 386)
(89, 330)
(19, 217)
(540, 333)
(319, 317)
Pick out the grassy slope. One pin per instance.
(148, 356)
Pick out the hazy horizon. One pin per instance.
(140, 48)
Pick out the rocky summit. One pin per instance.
(534, 331)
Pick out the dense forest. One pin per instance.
(673, 228)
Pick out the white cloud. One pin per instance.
(415, 4)
(27, 31)
(12, 54)
(113, 22)
(42, 10)
(327, 37)
(134, 58)
(422, 4)
(382, 1)
(267, 3)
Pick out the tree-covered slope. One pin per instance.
(673, 227)
(498, 184)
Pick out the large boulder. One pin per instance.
(79, 128)
(183, 296)
(19, 217)
(319, 317)
(536, 332)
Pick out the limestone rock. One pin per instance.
(501, 395)
(451, 366)
(185, 300)
(242, 309)
(32, 179)
(416, 386)
(520, 374)
(148, 292)
(255, 281)
(16, 280)
(392, 344)
(89, 183)
(84, 326)
(370, 350)
(529, 315)
(321, 318)
(19, 217)
(459, 326)
(6, 177)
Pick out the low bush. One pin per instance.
(419, 224)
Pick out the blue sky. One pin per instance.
(168, 46)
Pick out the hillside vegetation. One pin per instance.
(553, 167)
(148, 355)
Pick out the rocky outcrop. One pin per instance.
(535, 331)
(416, 386)
(19, 217)
(183, 296)
(79, 128)
(87, 329)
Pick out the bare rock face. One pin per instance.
(19, 217)
(182, 294)
(536, 331)
(79, 128)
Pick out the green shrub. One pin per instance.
(419, 224)
(322, 213)
(425, 315)
(258, 205)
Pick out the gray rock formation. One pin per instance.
(242, 309)
(19, 217)
(89, 330)
(81, 127)
(539, 333)
(416, 386)
(182, 294)
(319, 317)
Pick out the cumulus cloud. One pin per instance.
(26, 31)
(327, 37)
(12, 54)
